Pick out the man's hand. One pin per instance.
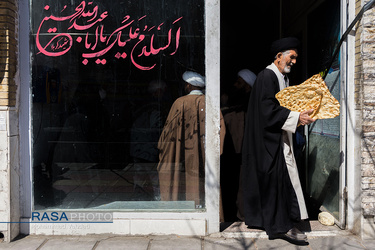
(304, 118)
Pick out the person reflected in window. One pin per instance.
(234, 116)
(182, 145)
(145, 133)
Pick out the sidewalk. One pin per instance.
(215, 242)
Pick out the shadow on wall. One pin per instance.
(3, 44)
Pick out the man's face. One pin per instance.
(286, 60)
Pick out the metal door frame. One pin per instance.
(346, 73)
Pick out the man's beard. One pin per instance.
(287, 69)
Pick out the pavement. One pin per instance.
(173, 242)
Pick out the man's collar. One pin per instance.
(279, 75)
(278, 71)
(196, 92)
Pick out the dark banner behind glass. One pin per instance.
(104, 76)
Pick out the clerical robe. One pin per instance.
(182, 150)
(273, 198)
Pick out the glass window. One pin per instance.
(105, 75)
(324, 154)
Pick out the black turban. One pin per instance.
(284, 44)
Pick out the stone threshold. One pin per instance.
(311, 228)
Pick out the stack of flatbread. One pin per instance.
(311, 94)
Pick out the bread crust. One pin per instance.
(311, 94)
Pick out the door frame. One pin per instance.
(353, 139)
(347, 106)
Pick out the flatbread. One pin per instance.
(311, 94)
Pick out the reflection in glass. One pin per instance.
(324, 155)
(181, 145)
(144, 135)
(104, 77)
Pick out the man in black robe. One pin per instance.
(273, 198)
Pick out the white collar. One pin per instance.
(196, 92)
(280, 76)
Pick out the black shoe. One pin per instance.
(293, 236)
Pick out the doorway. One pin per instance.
(247, 32)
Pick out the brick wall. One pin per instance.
(8, 52)
(365, 85)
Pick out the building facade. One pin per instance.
(364, 99)
(77, 84)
